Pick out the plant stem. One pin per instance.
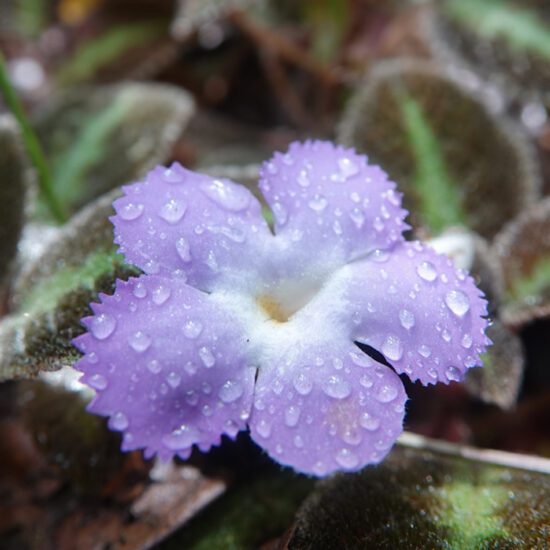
(32, 145)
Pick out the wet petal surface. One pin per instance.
(167, 365)
(422, 314)
(327, 407)
(187, 225)
(326, 197)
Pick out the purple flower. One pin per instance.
(232, 326)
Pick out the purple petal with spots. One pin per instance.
(415, 307)
(329, 408)
(326, 197)
(179, 223)
(168, 366)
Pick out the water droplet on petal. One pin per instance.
(357, 217)
(280, 213)
(139, 341)
(346, 458)
(182, 438)
(211, 261)
(292, 415)
(303, 178)
(98, 382)
(228, 195)
(453, 374)
(263, 428)
(425, 351)
(131, 211)
(183, 249)
(207, 357)
(386, 393)
(302, 384)
(347, 167)
(140, 291)
(298, 442)
(118, 421)
(427, 271)
(161, 294)
(406, 319)
(173, 211)
(457, 302)
(336, 387)
(173, 379)
(192, 329)
(469, 362)
(154, 366)
(392, 348)
(466, 341)
(102, 326)
(318, 203)
(230, 391)
(369, 422)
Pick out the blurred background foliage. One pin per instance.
(451, 97)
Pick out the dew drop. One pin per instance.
(425, 351)
(466, 341)
(369, 422)
(131, 211)
(453, 374)
(337, 227)
(351, 435)
(303, 178)
(161, 294)
(192, 329)
(469, 362)
(92, 358)
(318, 203)
(207, 357)
(366, 381)
(406, 318)
(230, 196)
(98, 382)
(432, 373)
(457, 302)
(263, 428)
(173, 174)
(446, 335)
(386, 393)
(426, 270)
(357, 217)
(173, 211)
(139, 341)
(154, 366)
(378, 224)
(302, 384)
(173, 379)
(280, 213)
(230, 391)
(336, 387)
(347, 167)
(140, 291)
(182, 438)
(102, 326)
(211, 261)
(119, 421)
(183, 249)
(392, 348)
(346, 458)
(292, 415)
(298, 441)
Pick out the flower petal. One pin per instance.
(167, 366)
(328, 197)
(425, 316)
(327, 407)
(185, 224)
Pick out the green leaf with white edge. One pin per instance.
(456, 162)
(506, 40)
(107, 48)
(102, 137)
(429, 496)
(499, 380)
(53, 293)
(16, 176)
(523, 248)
